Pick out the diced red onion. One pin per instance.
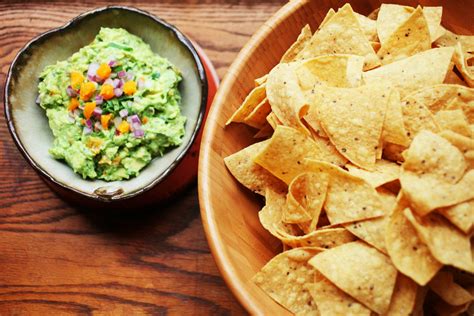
(117, 121)
(87, 130)
(99, 100)
(128, 76)
(70, 118)
(123, 113)
(117, 84)
(117, 132)
(71, 92)
(109, 81)
(138, 133)
(121, 73)
(89, 123)
(135, 119)
(136, 126)
(98, 126)
(97, 112)
(76, 112)
(118, 92)
(113, 63)
(92, 71)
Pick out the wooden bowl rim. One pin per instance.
(216, 244)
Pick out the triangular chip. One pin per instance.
(461, 215)
(273, 120)
(277, 278)
(258, 117)
(393, 130)
(328, 15)
(285, 96)
(322, 238)
(408, 253)
(329, 151)
(454, 120)
(361, 271)
(270, 215)
(353, 120)
(369, 27)
(341, 34)
(286, 151)
(451, 292)
(298, 45)
(447, 244)
(349, 198)
(403, 298)
(343, 71)
(250, 174)
(252, 100)
(413, 73)
(332, 301)
(417, 118)
(261, 80)
(410, 38)
(385, 171)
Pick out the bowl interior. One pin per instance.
(230, 212)
(30, 122)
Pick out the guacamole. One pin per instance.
(112, 107)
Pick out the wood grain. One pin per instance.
(57, 258)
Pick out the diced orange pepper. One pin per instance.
(124, 127)
(73, 104)
(83, 121)
(88, 109)
(130, 87)
(107, 91)
(76, 79)
(87, 90)
(104, 71)
(145, 120)
(105, 119)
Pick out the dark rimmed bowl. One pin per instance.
(28, 124)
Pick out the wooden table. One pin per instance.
(57, 258)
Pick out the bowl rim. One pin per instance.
(186, 42)
(217, 246)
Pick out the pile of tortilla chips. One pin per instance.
(368, 166)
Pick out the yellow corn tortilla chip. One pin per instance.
(348, 198)
(331, 300)
(250, 103)
(461, 215)
(393, 130)
(329, 151)
(446, 97)
(306, 194)
(403, 297)
(410, 38)
(273, 120)
(353, 120)
(322, 238)
(385, 171)
(369, 27)
(407, 251)
(287, 149)
(454, 120)
(250, 174)
(298, 45)
(344, 71)
(286, 97)
(328, 15)
(270, 215)
(277, 279)
(341, 34)
(258, 117)
(415, 72)
(417, 117)
(447, 244)
(261, 80)
(463, 143)
(361, 271)
(451, 292)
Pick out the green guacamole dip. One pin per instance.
(112, 107)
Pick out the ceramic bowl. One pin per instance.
(28, 123)
(239, 243)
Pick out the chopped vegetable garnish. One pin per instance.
(107, 91)
(73, 104)
(76, 79)
(88, 109)
(105, 119)
(104, 71)
(130, 87)
(124, 127)
(87, 90)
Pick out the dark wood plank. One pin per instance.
(57, 258)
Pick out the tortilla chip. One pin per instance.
(385, 171)
(273, 120)
(258, 117)
(297, 46)
(353, 120)
(270, 215)
(446, 97)
(285, 96)
(341, 34)
(265, 132)
(463, 143)
(329, 151)
(408, 253)
(393, 130)
(461, 215)
(415, 72)
(454, 120)
(403, 298)
(277, 279)
(349, 198)
(252, 100)
(417, 118)
(322, 238)
(361, 271)
(286, 151)
(440, 308)
(343, 71)
(261, 80)
(447, 244)
(419, 301)
(329, 15)
(250, 174)
(451, 292)
(369, 27)
(332, 301)
(452, 77)
(410, 38)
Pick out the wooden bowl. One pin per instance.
(229, 211)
